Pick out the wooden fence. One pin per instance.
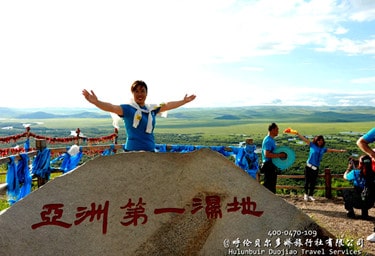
(97, 148)
(327, 176)
(41, 143)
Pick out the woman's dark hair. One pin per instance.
(138, 83)
(365, 165)
(317, 138)
(272, 126)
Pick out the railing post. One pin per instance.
(40, 146)
(78, 131)
(328, 183)
(116, 137)
(27, 138)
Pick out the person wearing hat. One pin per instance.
(139, 117)
(317, 150)
(268, 167)
(363, 144)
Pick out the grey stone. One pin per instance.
(166, 183)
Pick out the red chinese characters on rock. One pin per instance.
(169, 210)
(54, 212)
(246, 206)
(212, 206)
(84, 213)
(51, 216)
(135, 213)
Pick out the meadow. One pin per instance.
(209, 126)
(341, 127)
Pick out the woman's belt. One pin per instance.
(312, 166)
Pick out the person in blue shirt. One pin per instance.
(358, 197)
(317, 150)
(364, 141)
(268, 168)
(363, 144)
(139, 117)
(246, 158)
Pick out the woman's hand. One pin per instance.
(187, 98)
(90, 97)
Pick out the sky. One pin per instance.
(227, 52)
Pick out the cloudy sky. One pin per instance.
(227, 52)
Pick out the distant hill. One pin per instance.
(280, 113)
(8, 112)
(248, 113)
(47, 113)
(228, 117)
(37, 115)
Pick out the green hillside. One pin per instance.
(201, 125)
(250, 113)
(341, 127)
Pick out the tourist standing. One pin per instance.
(268, 148)
(139, 117)
(317, 150)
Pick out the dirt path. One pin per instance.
(331, 215)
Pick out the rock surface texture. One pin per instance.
(144, 203)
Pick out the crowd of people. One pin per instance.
(361, 172)
(140, 119)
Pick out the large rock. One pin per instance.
(143, 203)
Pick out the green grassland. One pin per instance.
(218, 126)
(341, 127)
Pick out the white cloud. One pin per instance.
(252, 69)
(52, 50)
(363, 10)
(364, 80)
